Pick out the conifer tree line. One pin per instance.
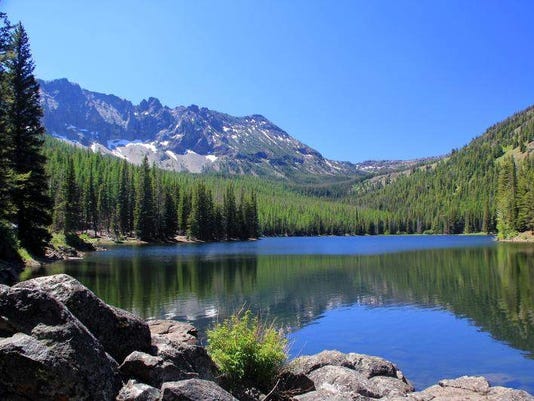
(24, 201)
(114, 196)
(103, 194)
(474, 189)
(515, 196)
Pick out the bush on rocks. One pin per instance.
(247, 350)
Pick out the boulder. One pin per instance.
(390, 386)
(322, 395)
(291, 384)
(152, 370)
(47, 354)
(133, 391)
(194, 390)
(190, 359)
(464, 388)
(181, 332)
(367, 365)
(353, 375)
(119, 331)
(339, 380)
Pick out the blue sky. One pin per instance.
(354, 79)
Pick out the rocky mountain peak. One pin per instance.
(191, 138)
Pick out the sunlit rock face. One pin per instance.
(193, 138)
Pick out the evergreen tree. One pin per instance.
(66, 210)
(230, 213)
(30, 196)
(170, 215)
(184, 211)
(506, 198)
(144, 208)
(91, 205)
(123, 200)
(7, 246)
(525, 195)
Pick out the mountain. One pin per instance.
(459, 193)
(192, 138)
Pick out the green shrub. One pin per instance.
(247, 350)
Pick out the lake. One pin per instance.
(437, 306)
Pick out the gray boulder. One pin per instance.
(133, 391)
(191, 359)
(173, 330)
(367, 365)
(119, 331)
(291, 384)
(340, 375)
(338, 380)
(464, 388)
(194, 390)
(47, 354)
(322, 395)
(152, 370)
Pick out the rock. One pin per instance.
(187, 358)
(339, 380)
(152, 370)
(194, 390)
(465, 388)
(353, 374)
(390, 386)
(291, 384)
(368, 365)
(322, 395)
(371, 365)
(175, 331)
(133, 391)
(119, 332)
(51, 356)
(248, 393)
(309, 363)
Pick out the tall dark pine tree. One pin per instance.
(144, 207)
(30, 195)
(66, 212)
(6, 173)
(5, 143)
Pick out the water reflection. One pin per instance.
(492, 286)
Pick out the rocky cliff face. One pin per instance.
(192, 138)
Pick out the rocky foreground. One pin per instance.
(58, 342)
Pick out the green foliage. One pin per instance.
(247, 350)
(30, 195)
(459, 193)
(24, 201)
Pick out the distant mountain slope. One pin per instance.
(190, 138)
(456, 194)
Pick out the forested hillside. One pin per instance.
(103, 193)
(485, 186)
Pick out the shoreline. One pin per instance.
(82, 348)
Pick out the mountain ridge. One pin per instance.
(188, 138)
(192, 138)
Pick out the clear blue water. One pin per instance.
(437, 306)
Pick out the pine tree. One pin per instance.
(66, 211)
(506, 198)
(230, 213)
(144, 208)
(92, 204)
(525, 195)
(7, 178)
(30, 195)
(123, 200)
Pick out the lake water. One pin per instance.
(437, 306)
